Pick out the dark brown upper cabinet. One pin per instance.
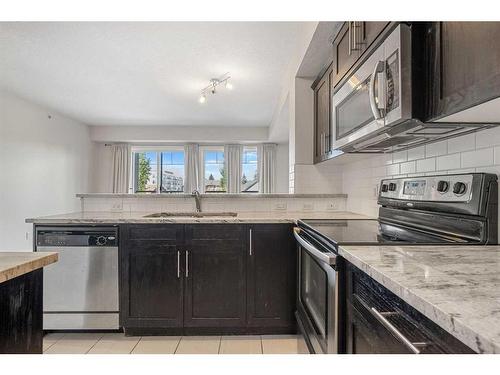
(463, 63)
(322, 116)
(353, 39)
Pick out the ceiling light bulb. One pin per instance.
(229, 85)
(202, 99)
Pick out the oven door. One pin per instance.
(318, 298)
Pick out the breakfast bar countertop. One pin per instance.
(14, 264)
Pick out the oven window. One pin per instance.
(354, 111)
(313, 292)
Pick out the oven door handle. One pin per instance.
(330, 259)
(379, 68)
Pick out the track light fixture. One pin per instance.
(212, 86)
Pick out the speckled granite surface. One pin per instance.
(138, 217)
(457, 287)
(13, 264)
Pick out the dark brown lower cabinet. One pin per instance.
(151, 282)
(271, 277)
(215, 276)
(21, 315)
(207, 279)
(379, 322)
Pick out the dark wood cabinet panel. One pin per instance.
(370, 31)
(215, 276)
(151, 288)
(322, 116)
(367, 333)
(463, 65)
(21, 315)
(271, 289)
(344, 55)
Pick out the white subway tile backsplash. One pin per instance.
(477, 158)
(399, 157)
(463, 143)
(497, 155)
(448, 162)
(426, 165)
(488, 137)
(408, 167)
(416, 153)
(392, 169)
(436, 149)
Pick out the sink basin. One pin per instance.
(191, 214)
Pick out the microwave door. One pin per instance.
(398, 76)
(352, 116)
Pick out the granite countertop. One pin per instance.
(457, 287)
(13, 264)
(138, 217)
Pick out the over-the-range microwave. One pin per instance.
(380, 107)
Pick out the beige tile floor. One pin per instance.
(118, 343)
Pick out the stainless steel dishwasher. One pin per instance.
(80, 291)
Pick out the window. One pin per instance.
(159, 171)
(146, 169)
(249, 171)
(172, 171)
(214, 174)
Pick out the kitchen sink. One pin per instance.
(191, 214)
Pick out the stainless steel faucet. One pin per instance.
(197, 197)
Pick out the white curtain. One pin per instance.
(120, 169)
(192, 165)
(267, 167)
(232, 157)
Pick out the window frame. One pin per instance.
(256, 148)
(159, 168)
(202, 150)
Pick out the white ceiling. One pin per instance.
(149, 73)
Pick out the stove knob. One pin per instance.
(101, 240)
(384, 188)
(443, 186)
(459, 188)
(392, 186)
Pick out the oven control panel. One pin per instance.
(444, 188)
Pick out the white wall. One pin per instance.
(477, 152)
(282, 168)
(44, 162)
(179, 134)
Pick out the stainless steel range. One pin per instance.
(438, 210)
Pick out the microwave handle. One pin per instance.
(379, 67)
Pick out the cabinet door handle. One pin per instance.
(396, 332)
(178, 264)
(187, 264)
(250, 244)
(354, 36)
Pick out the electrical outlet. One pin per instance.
(280, 206)
(331, 206)
(117, 206)
(307, 207)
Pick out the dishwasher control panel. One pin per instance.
(67, 236)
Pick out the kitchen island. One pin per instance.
(21, 294)
(456, 287)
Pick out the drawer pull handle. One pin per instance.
(381, 317)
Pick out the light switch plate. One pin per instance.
(117, 206)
